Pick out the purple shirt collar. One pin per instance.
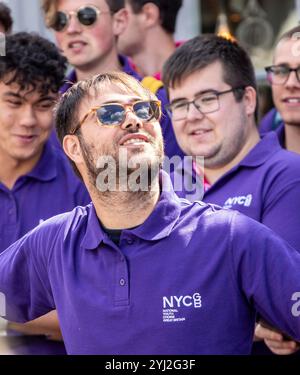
(45, 169)
(157, 226)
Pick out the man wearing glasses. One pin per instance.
(87, 33)
(140, 271)
(284, 77)
(212, 92)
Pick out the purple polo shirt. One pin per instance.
(49, 189)
(187, 281)
(272, 121)
(265, 185)
(171, 145)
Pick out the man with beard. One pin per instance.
(144, 272)
(284, 76)
(212, 91)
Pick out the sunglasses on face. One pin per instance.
(114, 114)
(86, 15)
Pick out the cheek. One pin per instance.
(276, 93)
(59, 39)
(45, 122)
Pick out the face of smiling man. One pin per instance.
(132, 144)
(287, 96)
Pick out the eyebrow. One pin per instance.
(13, 94)
(120, 102)
(198, 93)
(19, 96)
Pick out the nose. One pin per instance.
(193, 113)
(73, 26)
(28, 117)
(292, 81)
(132, 121)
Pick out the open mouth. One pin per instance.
(292, 100)
(134, 139)
(76, 45)
(200, 132)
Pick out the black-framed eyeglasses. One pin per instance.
(207, 102)
(86, 15)
(279, 74)
(114, 114)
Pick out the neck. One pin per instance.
(12, 169)
(150, 59)
(122, 210)
(292, 138)
(213, 174)
(109, 63)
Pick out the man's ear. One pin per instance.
(120, 21)
(72, 148)
(250, 101)
(151, 14)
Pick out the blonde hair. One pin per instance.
(49, 7)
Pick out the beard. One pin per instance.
(111, 170)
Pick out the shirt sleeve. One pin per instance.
(24, 283)
(267, 271)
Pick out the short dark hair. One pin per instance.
(50, 6)
(168, 11)
(201, 51)
(33, 63)
(5, 17)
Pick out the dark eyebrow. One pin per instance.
(202, 92)
(13, 94)
(47, 97)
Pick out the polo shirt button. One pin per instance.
(122, 282)
(130, 241)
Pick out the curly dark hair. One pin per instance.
(5, 17)
(33, 63)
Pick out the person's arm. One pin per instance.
(47, 325)
(267, 271)
(25, 288)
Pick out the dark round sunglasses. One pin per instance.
(86, 15)
(114, 114)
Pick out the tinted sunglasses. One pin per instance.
(86, 15)
(114, 114)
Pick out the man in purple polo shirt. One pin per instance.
(140, 271)
(212, 90)
(284, 77)
(36, 181)
(87, 32)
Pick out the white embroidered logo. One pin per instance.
(241, 200)
(172, 304)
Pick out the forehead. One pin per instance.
(110, 94)
(69, 5)
(208, 78)
(288, 52)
